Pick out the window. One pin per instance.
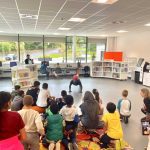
(81, 49)
(34, 49)
(69, 48)
(55, 52)
(95, 51)
(91, 52)
(8, 51)
(76, 48)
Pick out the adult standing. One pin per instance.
(28, 60)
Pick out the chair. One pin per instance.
(87, 71)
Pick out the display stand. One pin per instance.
(132, 62)
(24, 75)
(110, 69)
(146, 79)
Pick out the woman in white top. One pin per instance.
(43, 96)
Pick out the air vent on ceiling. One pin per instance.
(119, 22)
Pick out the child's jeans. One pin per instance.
(69, 135)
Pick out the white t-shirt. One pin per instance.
(32, 120)
(42, 98)
(67, 113)
(125, 108)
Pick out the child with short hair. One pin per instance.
(33, 124)
(61, 101)
(54, 127)
(34, 91)
(124, 106)
(43, 96)
(17, 103)
(70, 116)
(112, 125)
(15, 92)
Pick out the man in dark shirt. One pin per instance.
(28, 60)
(34, 91)
(75, 81)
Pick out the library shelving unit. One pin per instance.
(24, 75)
(110, 69)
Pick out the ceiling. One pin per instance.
(53, 14)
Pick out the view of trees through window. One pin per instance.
(54, 51)
(8, 51)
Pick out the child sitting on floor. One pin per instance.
(61, 101)
(112, 125)
(43, 96)
(33, 124)
(124, 107)
(54, 127)
(99, 100)
(70, 116)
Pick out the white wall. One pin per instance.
(135, 45)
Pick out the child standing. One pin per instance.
(54, 127)
(43, 96)
(112, 125)
(124, 107)
(70, 116)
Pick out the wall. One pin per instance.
(135, 45)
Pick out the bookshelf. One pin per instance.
(24, 75)
(109, 69)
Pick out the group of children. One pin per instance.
(61, 117)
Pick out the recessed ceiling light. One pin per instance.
(103, 35)
(1, 31)
(56, 33)
(65, 29)
(148, 25)
(77, 19)
(28, 16)
(122, 31)
(104, 1)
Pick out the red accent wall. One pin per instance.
(116, 56)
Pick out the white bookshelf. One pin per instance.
(110, 69)
(24, 75)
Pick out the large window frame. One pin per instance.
(68, 41)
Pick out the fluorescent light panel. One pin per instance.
(147, 25)
(122, 31)
(77, 19)
(104, 1)
(28, 16)
(65, 29)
